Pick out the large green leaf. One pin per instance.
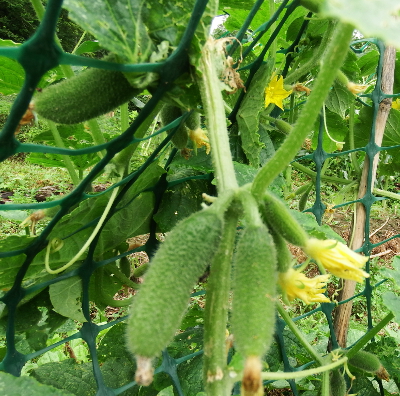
(362, 129)
(248, 116)
(337, 129)
(66, 298)
(180, 200)
(117, 24)
(13, 386)
(309, 223)
(339, 100)
(12, 76)
(9, 266)
(373, 18)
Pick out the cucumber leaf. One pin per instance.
(371, 17)
(12, 386)
(248, 116)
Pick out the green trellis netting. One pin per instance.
(137, 204)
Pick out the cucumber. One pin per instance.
(304, 198)
(253, 306)
(278, 216)
(254, 291)
(89, 94)
(140, 271)
(159, 307)
(337, 384)
(193, 121)
(171, 113)
(366, 361)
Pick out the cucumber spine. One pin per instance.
(159, 307)
(254, 291)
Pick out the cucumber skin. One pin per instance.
(337, 384)
(365, 361)
(171, 113)
(89, 94)
(278, 216)
(254, 291)
(193, 121)
(161, 303)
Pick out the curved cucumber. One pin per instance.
(254, 291)
(89, 94)
(158, 308)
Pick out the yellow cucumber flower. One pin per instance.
(337, 258)
(356, 88)
(199, 138)
(396, 104)
(275, 93)
(295, 284)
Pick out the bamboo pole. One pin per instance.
(343, 312)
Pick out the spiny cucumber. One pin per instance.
(278, 216)
(366, 361)
(337, 384)
(158, 308)
(193, 121)
(171, 113)
(87, 95)
(253, 307)
(254, 290)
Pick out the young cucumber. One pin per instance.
(366, 361)
(278, 216)
(158, 308)
(89, 94)
(337, 384)
(253, 308)
(171, 113)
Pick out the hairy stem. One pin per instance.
(216, 378)
(331, 62)
(213, 103)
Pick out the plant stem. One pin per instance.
(325, 389)
(331, 62)
(368, 336)
(216, 379)
(213, 103)
(353, 155)
(303, 373)
(299, 335)
(122, 159)
(67, 161)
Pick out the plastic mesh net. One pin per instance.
(23, 258)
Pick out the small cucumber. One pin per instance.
(304, 198)
(171, 113)
(337, 384)
(366, 361)
(140, 271)
(254, 291)
(159, 307)
(193, 121)
(278, 216)
(89, 94)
